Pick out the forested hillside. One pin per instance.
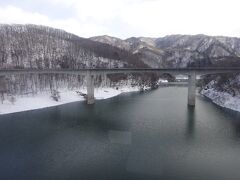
(31, 46)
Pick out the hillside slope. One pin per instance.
(31, 46)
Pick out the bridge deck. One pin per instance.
(174, 71)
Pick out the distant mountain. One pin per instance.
(113, 41)
(181, 50)
(32, 46)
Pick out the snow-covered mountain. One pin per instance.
(31, 46)
(116, 42)
(182, 50)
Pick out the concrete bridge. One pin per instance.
(90, 73)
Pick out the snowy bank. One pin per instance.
(223, 99)
(224, 91)
(43, 100)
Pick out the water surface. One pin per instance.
(152, 135)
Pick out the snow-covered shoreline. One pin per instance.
(222, 99)
(43, 100)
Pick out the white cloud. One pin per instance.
(14, 15)
(137, 17)
(11, 14)
(185, 17)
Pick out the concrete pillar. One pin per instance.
(104, 79)
(90, 88)
(3, 88)
(192, 89)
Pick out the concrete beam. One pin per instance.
(174, 71)
(90, 88)
(192, 89)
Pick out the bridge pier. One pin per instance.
(90, 88)
(192, 88)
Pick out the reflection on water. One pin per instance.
(190, 121)
(152, 135)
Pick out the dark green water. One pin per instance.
(150, 135)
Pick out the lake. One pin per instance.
(151, 135)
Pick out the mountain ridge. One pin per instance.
(186, 50)
(45, 47)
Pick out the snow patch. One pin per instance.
(43, 100)
(160, 81)
(223, 99)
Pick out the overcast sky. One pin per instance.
(127, 18)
